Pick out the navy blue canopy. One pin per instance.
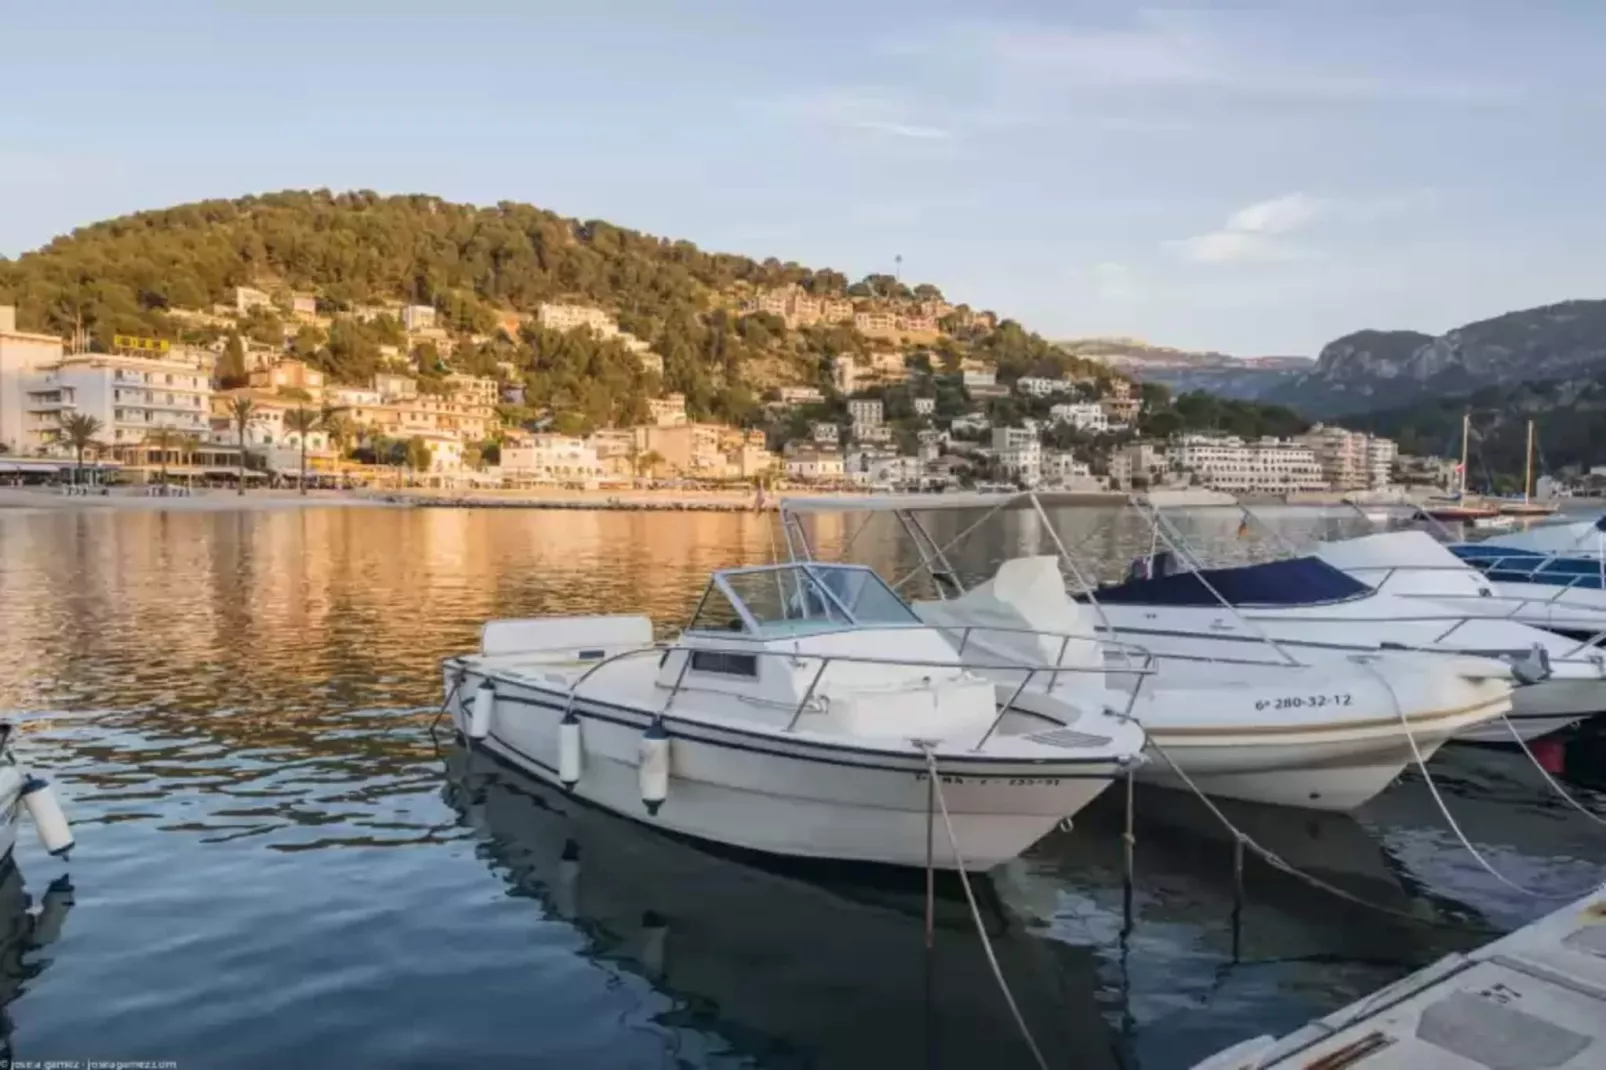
(1296, 581)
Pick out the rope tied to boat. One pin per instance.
(458, 679)
(1276, 861)
(970, 899)
(1433, 789)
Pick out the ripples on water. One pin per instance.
(277, 866)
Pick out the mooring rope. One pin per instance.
(1271, 858)
(451, 693)
(1554, 786)
(1433, 789)
(975, 911)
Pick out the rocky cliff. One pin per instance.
(1376, 369)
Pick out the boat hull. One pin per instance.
(1333, 774)
(791, 796)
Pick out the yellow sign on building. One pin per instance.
(142, 345)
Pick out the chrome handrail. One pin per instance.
(662, 650)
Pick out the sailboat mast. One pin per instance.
(1466, 437)
(1528, 465)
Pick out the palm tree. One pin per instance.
(303, 422)
(242, 413)
(648, 462)
(79, 430)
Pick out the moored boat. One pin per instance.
(1264, 696)
(799, 713)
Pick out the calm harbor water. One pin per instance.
(277, 866)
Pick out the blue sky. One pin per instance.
(1256, 180)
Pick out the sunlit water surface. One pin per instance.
(277, 866)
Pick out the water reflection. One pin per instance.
(796, 965)
(236, 706)
(24, 932)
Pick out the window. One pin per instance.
(722, 662)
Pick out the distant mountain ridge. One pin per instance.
(1372, 369)
(1240, 378)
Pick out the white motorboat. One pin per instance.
(1323, 723)
(1412, 565)
(794, 715)
(1327, 734)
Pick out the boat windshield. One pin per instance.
(797, 599)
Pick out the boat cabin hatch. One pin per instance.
(786, 601)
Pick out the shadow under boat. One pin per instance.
(797, 963)
(1185, 870)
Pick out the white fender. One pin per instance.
(48, 819)
(569, 755)
(654, 771)
(480, 713)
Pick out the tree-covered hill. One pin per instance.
(125, 273)
(474, 265)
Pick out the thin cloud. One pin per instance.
(1254, 232)
(1023, 64)
(869, 111)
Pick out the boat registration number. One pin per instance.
(1299, 702)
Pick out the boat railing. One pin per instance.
(1534, 563)
(1514, 613)
(662, 650)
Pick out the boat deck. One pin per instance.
(1532, 1000)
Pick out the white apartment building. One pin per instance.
(1082, 415)
(1010, 438)
(814, 466)
(925, 406)
(978, 377)
(825, 432)
(418, 317)
(246, 298)
(267, 427)
(651, 362)
(1060, 467)
(970, 421)
(551, 458)
(570, 317)
(865, 412)
(1022, 461)
(22, 355)
(353, 396)
(1351, 460)
(131, 396)
(390, 385)
(1039, 387)
(1270, 465)
(667, 411)
(877, 434)
(801, 395)
(1381, 454)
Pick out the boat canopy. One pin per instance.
(1296, 581)
(778, 601)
